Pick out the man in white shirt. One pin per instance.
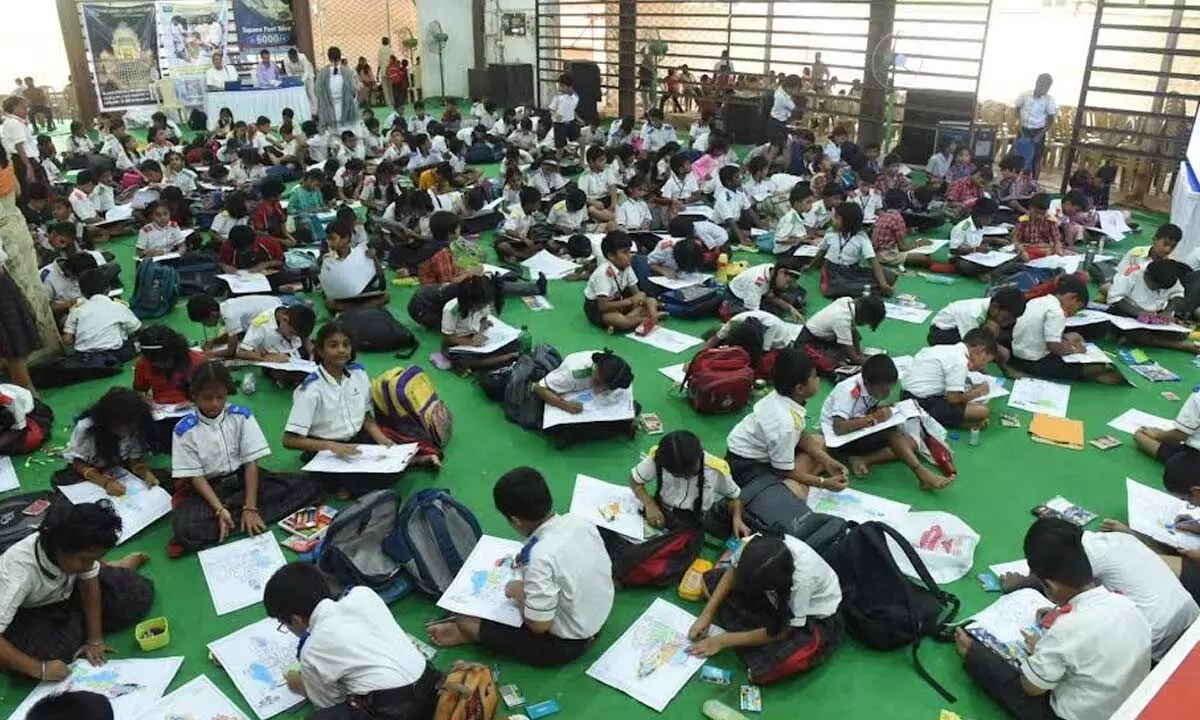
(1037, 112)
(561, 579)
(220, 73)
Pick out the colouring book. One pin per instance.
(257, 658)
(370, 459)
(609, 406)
(1154, 513)
(610, 506)
(851, 504)
(138, 507)
(680, 281)
(237, 572)
(1131, 420)
(498, 334)
(550, 265)
(906, 313)
(246, 283)
(478, 589)
(1004, 624)
(198, 699)
(1040, 396)
(132, 686)
(901, 412)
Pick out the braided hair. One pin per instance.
(764, 580)
(681, 454)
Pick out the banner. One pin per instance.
(263, 23)
(191, 32)
(124, 44)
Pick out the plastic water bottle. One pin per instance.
(716, 710)
(973, 439)
(866, 290)
(248, 386)
(936, 278)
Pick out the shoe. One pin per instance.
(541, 283)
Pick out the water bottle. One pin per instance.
(973, 439)
(716, 710)
(936, 279)
(866, 290)
(248, 386)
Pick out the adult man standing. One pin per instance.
(298, 65)
(384, 56)
(1037, 112)
(38, 105)
(220, 73)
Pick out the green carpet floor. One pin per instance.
(999, 482)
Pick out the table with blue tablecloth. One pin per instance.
(247, 105)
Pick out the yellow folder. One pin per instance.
(1061, 432)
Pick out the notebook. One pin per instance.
(1062, 432)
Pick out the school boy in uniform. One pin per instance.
(856, 403)
(1150, 290)
(234, 315)
(352, 655)
(99, 324)
(1040, 339)
(996, 314)
(771, 441)
(1178, 449)
(611, 298)
(1161, 247)
(832, 331)
(564, 586)
(937, 380)
(1095, 649)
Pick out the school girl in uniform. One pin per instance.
(599, 372)
(219, 487)
(161, 374)
(692, 488)
(25, 421)
(112, 435)
(465, 322)
(842, 253)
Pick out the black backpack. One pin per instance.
(883, 609)
(352, 551)
(425, 307)
(377, 330)
(15, 525)
(521, 404)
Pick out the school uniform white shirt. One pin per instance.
(111, 147)
(344, 180)
(331, 408)
(573, 374)
(816, 590)
(457, 164)
(394, 154)
(939, 164)
(102, 198)
(937, 370)
(966, 235)
(100, 323)
(419, 161)
(20, 404)
(963, 315)
(238, 313)
(154, 238)
(608, 282)
(548, 184)
(318, 149)
(499, 128)
(15, 133)
(1042, 322)
(223, 223)
(871, 203)
(790, 232)
(833, 152)
(713, 236)
(714, 483)
(817, 216)
(214, 447)
(568, 578)
(1188, 420)
(783, 106)
(79, 145)
(834, 322)
(664, 254)
(770, 432)
(1091, 658)
(677, 188)
(752, 285)
(516, 222)
(593, 184)
(185, 180)
(841, 250)
(454, 323)
(777, 333)
(700, 140)
(560, 216)
(656, 138)
(522, 139)
(82, 446)
(355, 647)
(54, 174)
(128, 160)
(728, 205)
(758, 190)
(58, 285)
(346, 154)
(1131, 285)
(562, 107)
(30, 579)
(849, 399)
(418, 124)
(634, 214)
(263, 336)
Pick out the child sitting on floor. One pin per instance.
(278, 335)
(766, 287)
(996, 314)
(72, 704)
(612, 299)
(731, 208)
(938, 381)
(693, 488)
(25, 421)
(465, 322)
(161, 375)
(1161, 247)
(1150, 291)
(1178, 449)
(965, 192)
(233, 315)
(792, 230)
(111, 437)
(670, 258)
(966, 238)
(1040, 338)
(98, 324)
(841, 253)
(888, 238)
(342, 269)
(514, 243)
(160, 236)
(832, 332)
(1036, 235)
(598, 372)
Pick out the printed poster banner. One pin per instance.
(191, 32)
(124, 44)
(263, 23)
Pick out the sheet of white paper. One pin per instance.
(649, 662)
(807, 251)
(851, 504)
(1153, 513)
(1020, 567)
(675, 372)
(1040, 396)
(349, 277)
(489, 207)
(166, 256)
(908, 314)
(991, 259)
(703, 211)
(370, 459)
(131, 686)
(679, 281)
(1088, 317)
(1067, 263)
(1130, 420)
(902, 411)
(902, 363)
(138, 507)
(294, 365)
(478, 588)
(199, 698)
(550, 265)
(605, 505)
(493, 269)
(257, 658)
(237, 572)
(499, 334)
(1112, 224)
(998, 230)
(932, 247)
(162, 412)
(667, 339)
(1093, 355)
(8, 475)
(1010, 614)
(995, 385)
(613, 405)
(784, 182)
(246, 283)
(118, 213)
(1126, 323)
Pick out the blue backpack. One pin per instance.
(432, 538)
(353, 553)
(156, 290)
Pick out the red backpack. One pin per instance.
(719, 380)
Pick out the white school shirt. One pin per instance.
(937, 370)
(263, 336)
(345, 154)
(1092, 657)
(417, 125)
(418, 161)
(657, 138)
(454, 323)
(752, 285)
(963, 315)
(522, 139)
(816, 590)
(79, 145)
(331, 408)
(560, 216)
(849, 399)
(223, 223)
(1035, 110)
(728, 204)
(770, 432)
(1121, 563)
(634, 214)
(111, 147)
(20, 405)
(871, 203)
(238, 313)
(58, 286)
(152, 237)
(185, 180)
(833, 151)
(81, 205)
(790, 232)
(606, 281)
(355, 647)
(1188, 420)
(54, 175)
(938, 164)
(712, 235)
(966, 235)
(817, 216)
(547, 184)
(102, 198)
(783, 106)
(1131, 285)
(593, 184)
(318, 149)
(834, 322)
(499, 128)
(395, 154)
(573, 374)
(215, 447)
(664, 254)
(344, 180)
(758, 191)
(676, 188)
(29, 579)
(852, 251)
(562, 107)
(1043, 321)
(15, 132)
(568, 578)
(100, 323)
(777, 333)
(127, 160)
(82, 446)
(681, 492)
(516, 222)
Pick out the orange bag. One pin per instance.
(467, 693)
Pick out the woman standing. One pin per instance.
(337, 91)
(366, 82)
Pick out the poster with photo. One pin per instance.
(124, 44)
(263, 23)
(191, 32)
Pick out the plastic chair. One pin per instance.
(167, 99)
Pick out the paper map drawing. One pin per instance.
(1154, 513)
(257, 658)
(138, 507)
(610, 506)
(130, 685)
(198, 699)
(478, 589)
(1040, 396)
(850, 504)
(237, 573)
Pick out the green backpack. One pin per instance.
(156, 290)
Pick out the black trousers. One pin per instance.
(411, 702)
(526, 646)
(1002, 682)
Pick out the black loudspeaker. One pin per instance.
(745, 122)
(478, 83)
(587, 86)
(510, 84)
(923, 110)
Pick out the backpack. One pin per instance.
(659, 561)
(197, 120)
(352, 550)
(467, 693)
(377, 330)
(433, 536)
(719, 380)
(768, 504)
(155, 290)
(521, 404)
(691, 302)
(883, 609)
(425, 307)
(198, 275)
(16, 525)
(494, 383)
(406, 399)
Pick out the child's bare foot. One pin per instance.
(1015, 581)
(931, 481)
(1110, 525)
(432, 461)
(985, 424)
(132, 561)
(859, 467)
(962, 642)
(447, 634)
